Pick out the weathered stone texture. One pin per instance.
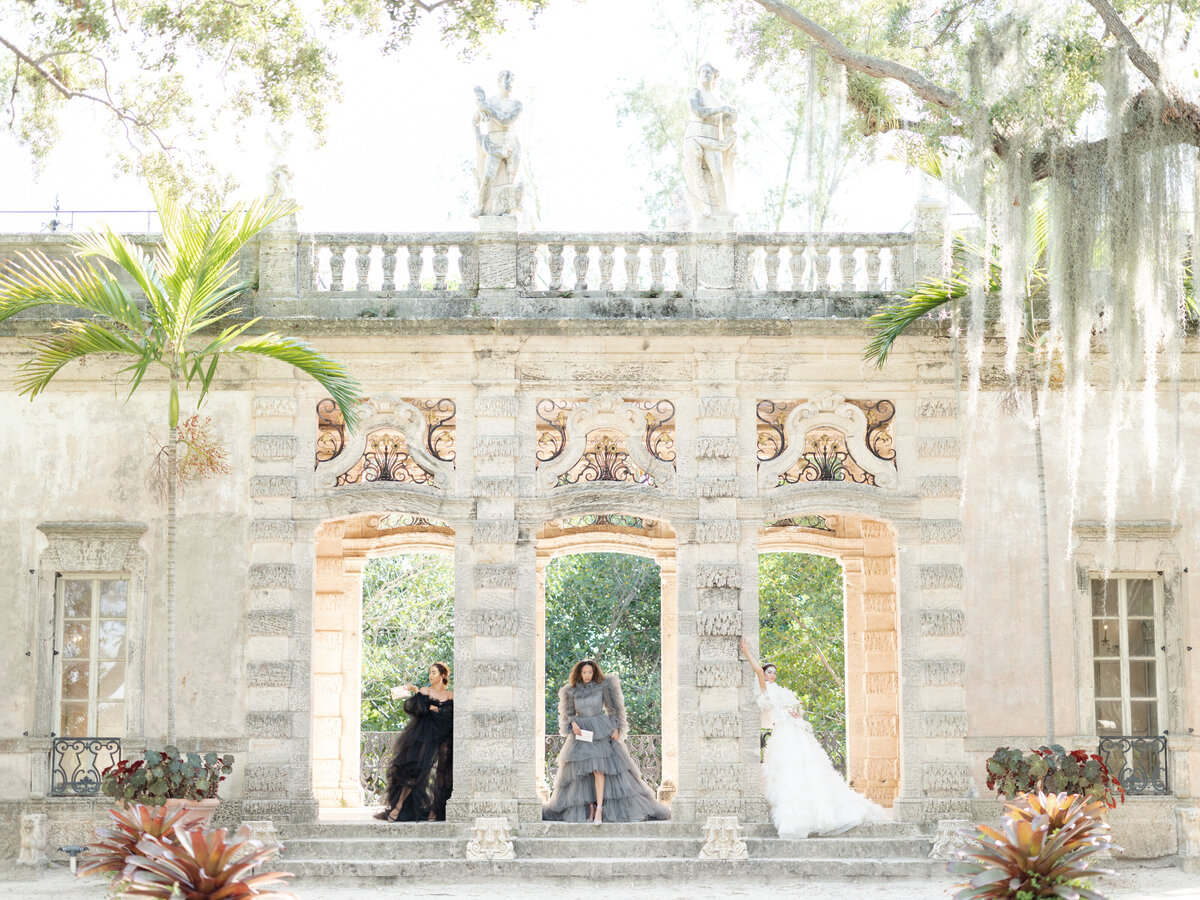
(943, 672)
(269, 674)
(942, 622)
(725, 622)
(718, 577)
(716, 487)
(280, 530)
(937, 408)
(496, 622)
(716, 448)
(282, 407)
(272, 486)
(496, 576)
(495, 531)
(274, 446)
(273, 575)
(943, 577)
(940, 486)
(718, 674)
(945, 724)
(719, 531)
(498, 445)
(269, 724)
(941, 531)
(717, 407)
(497, 407)
(269, 622)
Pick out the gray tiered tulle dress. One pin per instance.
(600, 709)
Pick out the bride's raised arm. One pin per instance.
(758, 670)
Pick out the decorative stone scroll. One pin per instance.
(491, 839)
(397, 441)
(723, 839)
(826, 439)
(950, 838)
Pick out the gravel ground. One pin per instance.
(1132, 882)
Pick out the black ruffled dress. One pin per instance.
(423, 761)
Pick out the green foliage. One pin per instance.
(165, 775)
(607, 607)
(1040, 850)
(407, 624)
(1053, 768)
(801, 626)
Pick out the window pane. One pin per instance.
(1144, 718)
(110, 681)
(77, 637)
(112, 598)
(1104, 597)
(1140, 597)
(112, 639)
(74, 720)
(77, 599)
(75, 681)
(110, 720)
(1106, 637)
(1141, 679)
(1108, 717)
(1108, 679)
(1141, 637)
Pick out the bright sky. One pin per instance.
(400, 152)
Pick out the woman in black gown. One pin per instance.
(420, 775)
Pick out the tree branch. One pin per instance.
(861, 62)
(1138, 55)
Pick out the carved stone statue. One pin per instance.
(491, 839)
(709, 145)
(279, 182)
(35, 838)
(723, 839)
(500, 193)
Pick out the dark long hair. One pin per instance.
(577, 672)
(445, 670)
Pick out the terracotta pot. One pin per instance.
(198, 812)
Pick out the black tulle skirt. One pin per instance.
(422, 762)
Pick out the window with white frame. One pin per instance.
(92, 631)
(1128, 663)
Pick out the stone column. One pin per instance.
(876, 676)
(540, 725)
(929, 236)
(278, 271)
(279, 627)
(669, 633)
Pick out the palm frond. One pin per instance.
(74, 340)
(916, 303)
(104, 243)
(326, 371)
(37, 280)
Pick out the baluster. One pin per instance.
(468, 267)
(337, 264)
(389, 267)
(526, 266)
(416, 262)
(362, 263)
(580, 264)
(313, 264)
(745, 261)
(441, 264)
(556, 266)
(821, 262)
(633, 265)
(796, 265)
(874, 264)
(606, 266)
(658, 268)
(772, 264)
(847, 264)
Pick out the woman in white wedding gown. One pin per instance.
(807, 795)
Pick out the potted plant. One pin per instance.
(1054, 770)
(170, 778)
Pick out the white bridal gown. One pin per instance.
(807, 795)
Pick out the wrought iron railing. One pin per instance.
(76, 764)
(1139, 763)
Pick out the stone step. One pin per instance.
(599, 844)
(378, 871)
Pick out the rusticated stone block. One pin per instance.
(717, 407)
(943, 672)
(880, 603)
(718, 674)
(727, 622)
(716, 448)
(267, 779)
(875, 530)
(274, 446)
(718, 577)
(491, 752)
(880, 683)
(273, 575)
(719, 598)
(933, 809)
(497, 407)
(496, 622)
(494, 724)
(499, 671)
(942, 622)
(495, 576)
(283, 407)
(937, 447)
(883, 769)
(330, 566)
(718, 647)
(719, 531)
(879, 566)
(281, 530)
(495, 531)
(878, 641)
(716, 487)
(272, 486)
(945, 724)
(945, 779)
(937, 408)
(943, 577)
(269, 674)
(269, 622)
(496, 486)
(491, 779)
(498, 445)
(941, 531)
(720, 725)
(936, 486)
(269, 724)
(882, 726)
(718, 774)
(713, 806)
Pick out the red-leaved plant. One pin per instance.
(1054, 770)
(199, 864)
(118, 841)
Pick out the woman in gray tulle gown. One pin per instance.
(597, 780)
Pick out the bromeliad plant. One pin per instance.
(1054, 769)
(1040, 850)
(165, 775)
(118, 841)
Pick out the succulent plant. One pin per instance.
(1040, 850)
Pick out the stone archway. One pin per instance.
(866, 550)
(342, 548)
(634, 536)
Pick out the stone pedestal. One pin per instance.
(497, 249)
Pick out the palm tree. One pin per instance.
(182, 329)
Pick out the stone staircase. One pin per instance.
(378, 853)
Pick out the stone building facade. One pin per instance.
(699, 403)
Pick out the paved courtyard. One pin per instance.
(1132, 882)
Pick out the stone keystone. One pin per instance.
(723, 839)
(492, 839)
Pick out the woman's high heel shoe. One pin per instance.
(599, 814)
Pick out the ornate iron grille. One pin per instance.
(605, 459)
(76, 764)
(646, 749)
(331, 432)
(614, 519)
(826, 458)
(373, 759)
(659, 436)
(386, 458)
(817, 523)
(1139, 763)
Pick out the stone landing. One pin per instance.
(378, 853)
